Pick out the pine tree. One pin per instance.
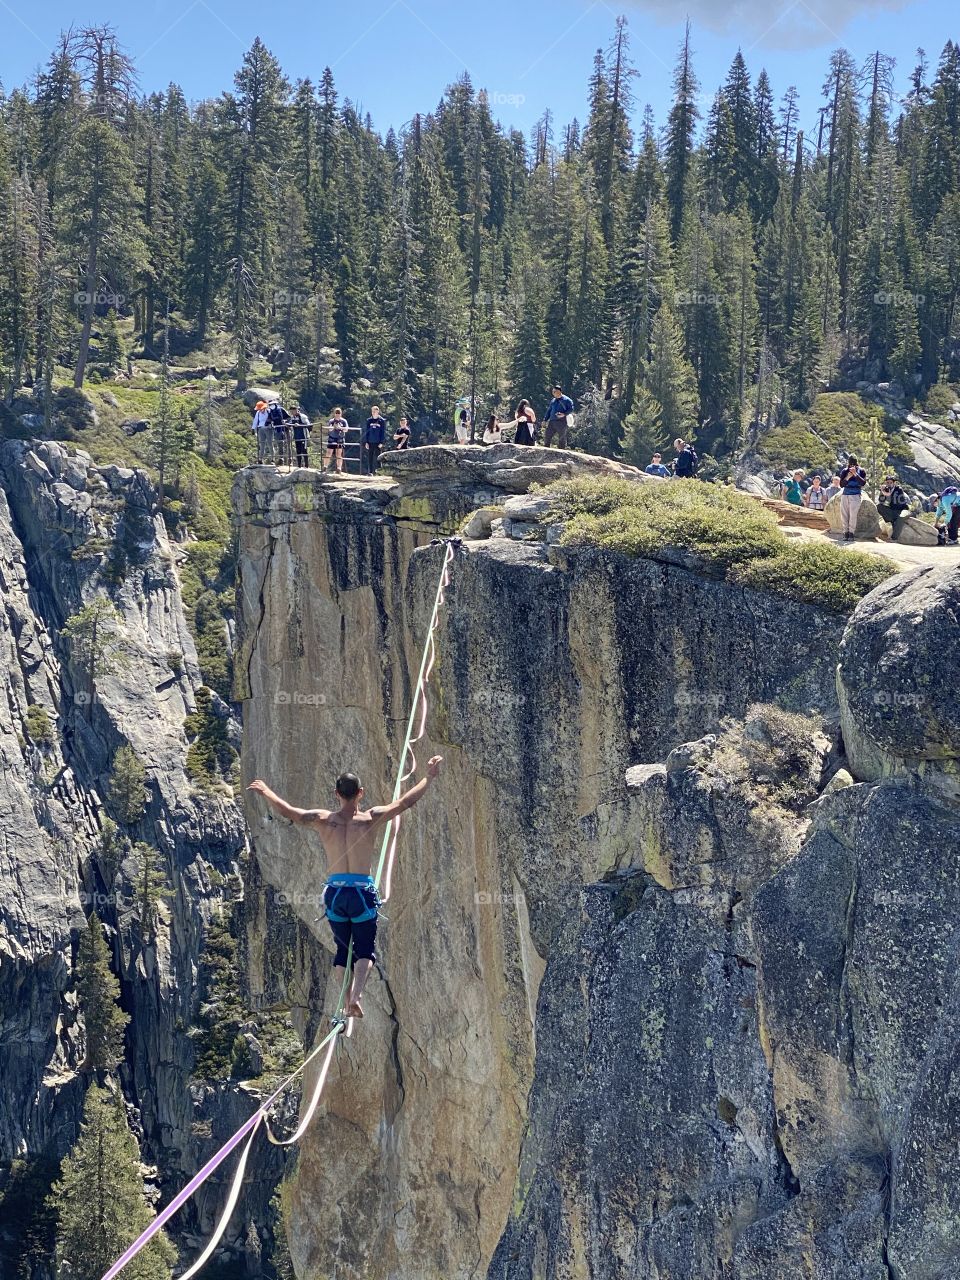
(98, 991)
(529, 375)
(150, 887)
(678, 149)
(99, 220)
(99, 1199)
(668, 377)
(128, 793)
(92, 637)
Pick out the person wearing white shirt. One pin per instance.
(491, 432)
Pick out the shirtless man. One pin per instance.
(350, 897)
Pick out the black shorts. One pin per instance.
(346, 905)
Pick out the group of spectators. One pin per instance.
(557, 421)
(894, 504)
(280, 431)
(684, 465)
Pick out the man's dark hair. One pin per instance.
(348, 786)
(557, 387)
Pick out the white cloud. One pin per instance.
(772, 24)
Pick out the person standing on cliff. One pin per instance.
(853, 479)
(374, 434)
(555, 418)
(348, 836)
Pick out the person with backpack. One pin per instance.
(279, 420)
(686, 463)
(374, 434)
(301, 434)
(947, 518)
(555, 419)
(853, 480)
(264, 433)
(815, 499)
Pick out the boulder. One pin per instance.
(869, 524)
(133, 426)
(787, 513)
(916, 533)
(253, 394)
(898, 677)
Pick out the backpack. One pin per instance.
(275, 416)
(691, 463)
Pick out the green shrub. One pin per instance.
(827, 576)
(38, 726)
(717, 523)
(731, 532)
(210, 757)
(941, 397)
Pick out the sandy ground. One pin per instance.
(906, 557)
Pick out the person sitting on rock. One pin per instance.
(350, 897)
(893, 504)
(492, 431)
(947, 517)
(833, 488)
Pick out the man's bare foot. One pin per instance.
(354, 1009)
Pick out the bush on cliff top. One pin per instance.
(731, 532)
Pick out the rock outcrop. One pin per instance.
(649, 999)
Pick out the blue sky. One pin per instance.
(394, 57)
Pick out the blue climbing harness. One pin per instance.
(348, 880)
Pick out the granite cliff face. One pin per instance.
(72, 534)
(668, 980)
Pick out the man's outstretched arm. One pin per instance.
(386, 812)
(285, 810)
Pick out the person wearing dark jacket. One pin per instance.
(685, 465)
(301, 434)
(893, 504)
(853, 480)
(374, 434)
(555, 419)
